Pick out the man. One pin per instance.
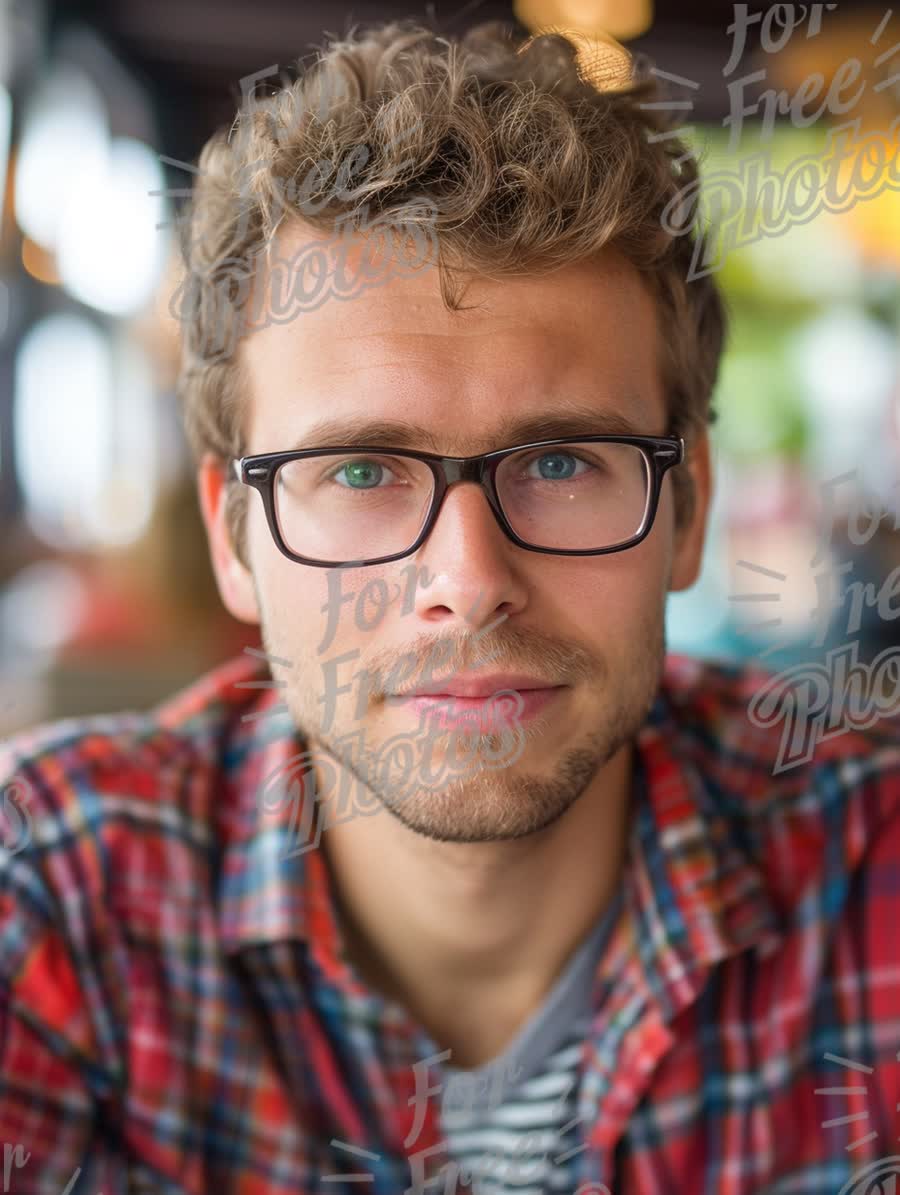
(463, 882)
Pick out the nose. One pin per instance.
(475, 566)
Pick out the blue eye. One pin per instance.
(557, 466)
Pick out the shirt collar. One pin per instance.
(273, 883)
(695, 895)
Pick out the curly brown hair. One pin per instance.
(529, 163)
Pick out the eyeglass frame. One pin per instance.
(259, 472)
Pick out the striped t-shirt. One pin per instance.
(511, 1124)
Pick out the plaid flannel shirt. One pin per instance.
(178, 1014)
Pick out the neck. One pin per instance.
(443, 928)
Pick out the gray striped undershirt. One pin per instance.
(510, 1123)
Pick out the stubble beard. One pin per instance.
(485, 805)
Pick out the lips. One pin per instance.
(480, 687)
(485, 713)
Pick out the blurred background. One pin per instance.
(107, 599)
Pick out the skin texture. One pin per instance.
(470, 897)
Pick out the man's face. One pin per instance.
(591, 625)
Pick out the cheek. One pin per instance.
(292, 619)
(317, 613)
(617, 590)
(290, 595)
(616, 605)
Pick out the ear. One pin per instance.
(235, 582)
(691, 536)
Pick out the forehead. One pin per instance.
(583, 338)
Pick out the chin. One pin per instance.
(495, 806)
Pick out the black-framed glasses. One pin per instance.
(356, 506)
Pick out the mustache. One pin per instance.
(433, 658)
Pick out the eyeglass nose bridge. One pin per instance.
(453, 470)
(464, 469)
(481, 470)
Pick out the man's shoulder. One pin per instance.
(109, 829)
(790, 725)
(67, 781)
(803, 787)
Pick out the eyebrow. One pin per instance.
(571, 420)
